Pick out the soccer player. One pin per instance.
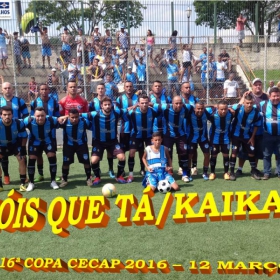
(174, 130)
(41, 139)
(51, 108)
(75, 142)
(95, 106)
(189, 98)
(158, 163)
(104, 137)
(197, 121)
(245, 116)
(72, 101)
(127, 101)
(19, 112)
(142, 119)
(157, 96)
(219, 135)
(13, 138)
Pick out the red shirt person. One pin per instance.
(72, 101)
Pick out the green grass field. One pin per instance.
(270, 75)
(249, 240)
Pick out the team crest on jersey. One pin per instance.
(85, 156)
(15, 132)
(185, 146)
(117, 147)
(79, 107)
(49, 147)
(15, 107)
(65, 158)
(206, 146)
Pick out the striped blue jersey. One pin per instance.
(41, 133)
(75, 134)
(271, 117)
(51, 106)
(241, 125)
(219, 132)
(94, 105)
(9, 135)
(18, 106)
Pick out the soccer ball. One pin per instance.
(164, 186)
(109, 190)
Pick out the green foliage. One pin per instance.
(228, 11)
(69, 13)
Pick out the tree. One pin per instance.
(228, 11)
(69, 13)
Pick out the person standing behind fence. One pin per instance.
(46, 46)
(240, 26)
(150, 45)
(123, 39)
(25, 53)
(66, 38)
(17, 51)
(3, 48)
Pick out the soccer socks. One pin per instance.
(252, 163)
(31, 169)
(232, 162)
(183, 163)
(226, 164)
(22, 178)
(65, 172)
(205, 169)
(121, 166)
(110, 163)
(96, 169)
(53, 167)
(142, 166)
(5, 166)
(131, 163)
(40, 168)
(213, 162)
(88, 172)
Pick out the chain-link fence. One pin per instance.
(253, 59)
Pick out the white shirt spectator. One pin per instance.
(231, 88)
(220, 71)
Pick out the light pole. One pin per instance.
(189, 12)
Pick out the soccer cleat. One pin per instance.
(238, 173)
(226, 176)
(121, 180)
(30, 187)
(40, 178)
(142, 173)
(180, 171)
(112, 174)
(232, 177)
(54, 185)
(96, 181)
(129, 179)
(89, 182)
(254, 175)
(212, 176)
(22, 188)
(190, 178)
(205, 177)
(63, 184)
(194, 171)
(6, 180)
(185, 179)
